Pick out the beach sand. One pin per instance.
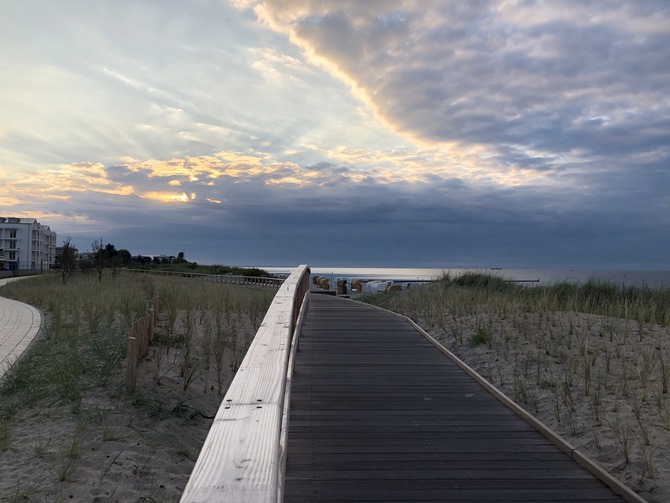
(597, 381)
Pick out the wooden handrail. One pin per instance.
(241, 458)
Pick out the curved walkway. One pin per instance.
(19, 324)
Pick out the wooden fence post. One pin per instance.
(139, 338)
(131, 369)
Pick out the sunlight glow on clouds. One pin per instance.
(167, 197)
(274, 65)
(480, 73)
(501, 131)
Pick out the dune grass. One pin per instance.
(71, 379)
(471, 293)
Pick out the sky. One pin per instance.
(390, 133)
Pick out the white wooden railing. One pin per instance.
(243, 456)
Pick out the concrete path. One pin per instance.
(19, 324)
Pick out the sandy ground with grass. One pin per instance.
(601, 383)
(116, 446)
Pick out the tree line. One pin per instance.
(103, 256)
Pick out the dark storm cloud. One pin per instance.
(452, 223)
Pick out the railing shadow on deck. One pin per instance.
(243, 457)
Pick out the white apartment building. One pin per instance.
(26, 244)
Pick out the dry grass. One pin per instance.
(69, 430)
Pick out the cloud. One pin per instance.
(552, 77)
(344, 132)
(237, 208)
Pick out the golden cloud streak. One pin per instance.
(167, 197)
(181, 181)
(281, 20)
(287, 180)
(203, 168)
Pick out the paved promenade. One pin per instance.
(19, 324)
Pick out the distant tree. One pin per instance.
(112, 258)
(99, 260)
(68, 260)
(105, 256)
(180, 258)
(139, 260)
(124, 258)
(111, 253)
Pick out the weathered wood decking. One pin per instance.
(377, 413)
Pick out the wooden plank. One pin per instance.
(460, 475)
(388, 448)
(333, 493)
(312, 464)
(549, 456)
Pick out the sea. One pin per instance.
(652, 279)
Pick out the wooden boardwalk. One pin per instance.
(377, 413)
